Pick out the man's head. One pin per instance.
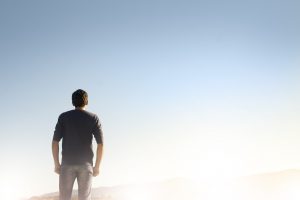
(79, 98)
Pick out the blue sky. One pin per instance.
(183, 88)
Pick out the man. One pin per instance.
(76, 128)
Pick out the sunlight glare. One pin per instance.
(136, 193)
(291, 190)
(11, 186)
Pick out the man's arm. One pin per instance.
(55, 153)
(98, 159)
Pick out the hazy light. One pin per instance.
(291, 190)
(136, 193)
(11, 186)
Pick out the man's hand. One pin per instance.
(57, 169)
(95, 171)
(55, 153)
(98, 159)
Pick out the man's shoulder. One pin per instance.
(77, 113)
(66, 113)
(91, 114)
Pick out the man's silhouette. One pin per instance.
(76, 128)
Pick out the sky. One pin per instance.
(195, 89)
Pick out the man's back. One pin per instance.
(76, 128)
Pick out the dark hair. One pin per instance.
(79, 98)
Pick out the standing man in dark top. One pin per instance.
(76, 128)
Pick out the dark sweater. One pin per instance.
(77, 128)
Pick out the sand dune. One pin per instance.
(283, 185)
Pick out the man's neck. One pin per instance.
(80, 108)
